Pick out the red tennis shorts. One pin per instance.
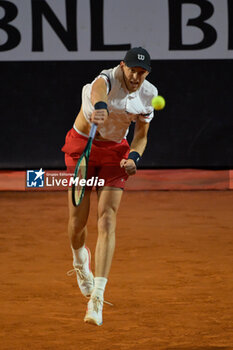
(104, 161)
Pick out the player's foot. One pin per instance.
(94, 311)
(85, 277)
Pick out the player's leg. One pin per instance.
(109, 199)
(108, 204)
(77, 232)
(77, 220)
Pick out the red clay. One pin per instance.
(171, 281)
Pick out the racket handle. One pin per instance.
(93, 130)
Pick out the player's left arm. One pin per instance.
(138, 146)
(139, 141)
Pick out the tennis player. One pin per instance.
(113, 100)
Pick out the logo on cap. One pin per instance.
(141, 57)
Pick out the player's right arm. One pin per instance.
(98, 96)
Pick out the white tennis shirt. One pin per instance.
(124, 107)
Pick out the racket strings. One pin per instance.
(80, 174)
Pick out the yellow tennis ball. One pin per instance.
(158, 102)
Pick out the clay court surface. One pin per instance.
(171, 281)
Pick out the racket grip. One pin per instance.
(93, 130)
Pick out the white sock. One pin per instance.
(79, 255)
(100, 284)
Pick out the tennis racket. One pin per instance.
(80, 172)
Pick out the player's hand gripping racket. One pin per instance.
(80, 172)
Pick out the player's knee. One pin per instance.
(76, 225)
(106, 221)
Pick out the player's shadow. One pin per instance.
(201, 348)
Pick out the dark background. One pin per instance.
(40, 100)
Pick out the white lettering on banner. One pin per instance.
(93, 30)
(52, 181)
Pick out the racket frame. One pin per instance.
(86, 154)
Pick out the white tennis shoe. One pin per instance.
(94, 311)
(85, 277)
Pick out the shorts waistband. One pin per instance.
(86, 136)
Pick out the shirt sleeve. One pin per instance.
(107, 81)
(146, 118)
(106, 75)
(149, 92)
